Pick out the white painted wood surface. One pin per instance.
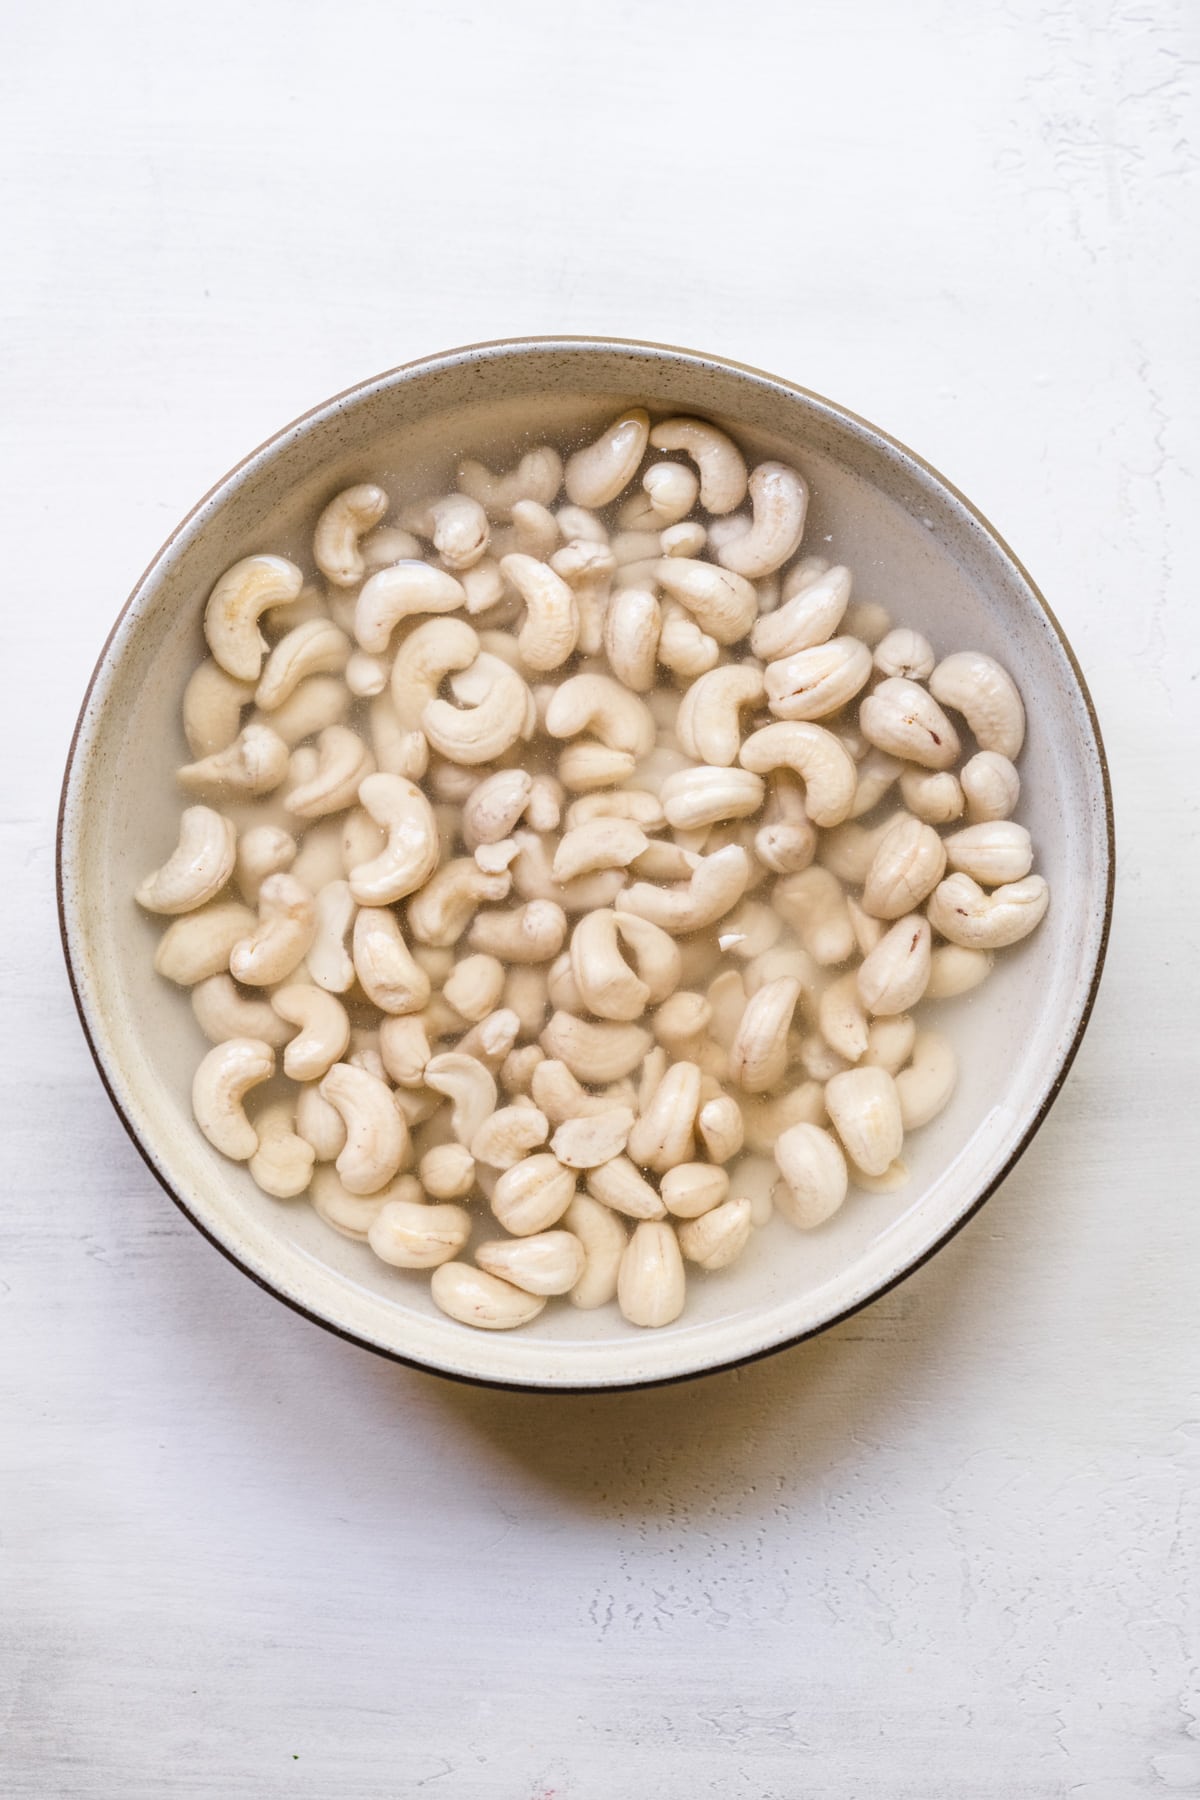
(948, 1550)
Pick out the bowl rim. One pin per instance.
(584, 341)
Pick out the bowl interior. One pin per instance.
(912, 544)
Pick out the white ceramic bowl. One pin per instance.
(912, 542)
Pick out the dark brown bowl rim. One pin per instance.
(1069, 1055)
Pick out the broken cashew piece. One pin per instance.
(651, 1285)
(473, 1297)
(409, 1235)
(221, 1082)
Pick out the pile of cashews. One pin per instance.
(521, 868)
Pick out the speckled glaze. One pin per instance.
(913, 542)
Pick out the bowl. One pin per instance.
(912, 540)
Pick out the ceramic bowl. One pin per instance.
(912, 541)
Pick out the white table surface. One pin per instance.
(950, 1548)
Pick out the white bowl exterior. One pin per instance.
(911, 542)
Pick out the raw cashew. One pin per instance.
(961, 911)
(810, 684)
(842, 1018)
(197, 945)
(691, 1188)
(991, 785)
(409, 1235)
(609, 987)
(412, 851)
(244, 592)
(329, 962)
(597, 474)
(849, 851)
(434, 649)
(255, 762)
(602, 1238)
(632, 628)
(865, 1109)
(400, 592)
(766, 1119)
(346, 519)
(594, 1051)
(668, 494)
(320, 700)
(719, 461)
(808, 616)
(722, 603)
(786, 840)
(905, 869)
(905, 720)
(986, 695)
(587, 569)
(458, 527)
(759, 1057)
(600, 844)
(317, 647)
(644, 808)
(352, 1215)
(386, 545)
(617, 1184)
(376, 1134)
(447, 1171)
(533, 1195)
(956, 970)
(492, 1038)
(709, 795)
(320, 1125)
(585, 1143)
(905, 653)
(896, 972)
(814, 905)
(814, 1174)
(473, 1297)
(610, 711)
(442, 910)
(925, 1087)
(469, 1085)
(992, 853)
(651, 1287)
(197, 868)
(717, 884)
(708, 726)
(508, 1135)
(933, 795)
(585, 765)
(682, 647)
(222, 1013)
(889, 1043)
(494, 806)
(343, 762)
(494, 714)
(550, 629)
(212, 708)
(282, 1164)
(664, 1134)
(779, 498)
(538, 476)
(549, 1262)
(559, 1095)
(220, 1084)
(286, 925)
(810, 751)
(532, 933)
(261, 851)
(404, 1049)
(534, 532)
(385, 967)
(717, 1238)
(324, 1030)
(474, 986)
(721, 1127)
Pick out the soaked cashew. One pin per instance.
(533, 1194)
(903, 719)
(961, 911)
(324, 1033)
(610, 711)
(255, 763)
(709, 795)
(595, 1051)
(896, 972)
(261, 851)
(494, 713)
(213, 702)
(809, 615)
(905, 653)
(905, 869)
(538, 476)
(815, 755)
(865, 1109)
(759, 1057)
(376, 1134)
(925, 1086)
(651, 1286)
(936, 797)
(664, 1133)
(718, 1238)
(243, 594)
(473, 1297)
(317, 647)
(447, 1171)
(388, 973)
(779, 498)
(815, 1177)
(955, 969)
(723, 604)
(668, 494)
(345, 521)
(410, 1235)
(549, 1262)
(329, 961)
(991, 786)
(991, 853)
(716, 884)
(343, 762)
(585, 1143)
(533, 933)
(842, 1018)
(282, 1164)
(985, 694)
(411, 853)
(400, 592)
(286, 925)
(221, 1083)
(602, 1239)
(708, 724)
(222, 1012)
(458, 527)
(550, 629)
(197, 868)
(682, 647)
(598, 473)
(441, 911)
(721, 1127)
(814, 905)
(197, 945)
(720, 463)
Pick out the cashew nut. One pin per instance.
(759, 1057)
(664, 1133)
(865, 1109)
(707, 725)
(607, 984)
(985, 694)
(329, 962)
(812, 683)
(716, 884)
(412, 851)
(324, 1030)
(632, 627)
(779, 498)
(594, 1051)
(550, 629)
(810, 751)
(197, 945)
(219, 1086)
(905, 869)
(255, 762)
(842, 1017)
(385, 967)
(320, 1125)
(197, 868)
(441, 911)
(404, 1049)
(595, 1138)
(447, 1171)
(933, 795)
(718, 1238)
(533, 1194)
(550, 1262)
(602, 1238)
(600, 844)
(376, 1134)
(282, 1164)
(991, 785)
(494, 713)
(343, 762)
(352, 1215)
(814, 1174)
(889, 1043)
(596, 474)
(955, 970)
(993, 853)
(538, 476)
(587, 569)
(243, 593)
(807, 618)
(473, 1297)
(765, 1120)
(905, 720)
(286, 925)
(320, 700)
(722, 603)
(317, 647)
(925, 1086)
(261, 851)
(532, 933)
(410, 1235)
(710, 795)
(668, 494)
(720, 463)
(596, 702)
(682, 647)
(494, 806)
(813, 903)
(212, 708)
(337, 551)
(457, 526)
(651, 1286)
(400, 592)
(894, 975)
(905, 653)
(961, 911)
(222, 1013)
(508, 1135)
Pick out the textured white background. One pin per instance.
(948, 1550)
